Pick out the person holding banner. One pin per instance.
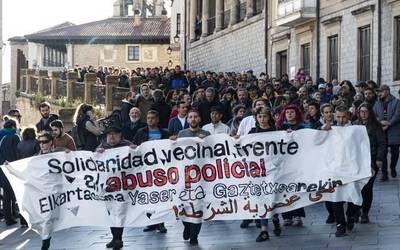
(46, 139)
(366, 117)
(9, 140)
(336, 209)
(265, 123)
(192, 230)
(114, 140)
(291, 119)
(152, 132)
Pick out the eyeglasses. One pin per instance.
(44, 142)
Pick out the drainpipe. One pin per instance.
(266, 34)
(379, 68)
(184, 35)
(318, 14)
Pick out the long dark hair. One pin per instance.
(372, 122)
(81, 112)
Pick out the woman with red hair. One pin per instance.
(291, 119)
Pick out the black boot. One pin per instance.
(161, 228)
(340, 231)
(277, 226)
(364, 219)
(263, 236)
(245, 223)
(46, 244)
(115, 244)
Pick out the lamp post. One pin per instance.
(176, 38)
(169, 50)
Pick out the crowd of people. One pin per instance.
(172, 103)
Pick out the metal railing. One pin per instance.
(287, 7)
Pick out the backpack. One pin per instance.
(78, 137)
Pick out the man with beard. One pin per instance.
(370, 96)
(47, 118)
(192, 230)
(387, 110)
(61, 139)
(130, 127)
(126, 105)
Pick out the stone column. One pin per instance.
(219, 15)
(192, 19)
(111, 82)
(30, 74)
(55, 76)
(204, 19)
(90, 80)
(72, 77)
(235, 5)
(22, 87)
(250, 8)
(41, 75)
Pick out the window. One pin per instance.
(281, 63)
(305, 58)
(333, 57)
(364, 53)
(133, 53)
(178, 24)
(397, 49)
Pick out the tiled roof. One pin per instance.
(117, 28)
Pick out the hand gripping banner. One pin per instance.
(192, 179)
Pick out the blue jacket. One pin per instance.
(175, 126)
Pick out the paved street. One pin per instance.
(382, 233)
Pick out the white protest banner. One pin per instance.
(216, 178)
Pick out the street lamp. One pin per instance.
(170, 63)
(169, 50)
(176, 38)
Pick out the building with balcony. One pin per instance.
(129, 39)
(352, 40)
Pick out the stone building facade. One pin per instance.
(229, 36)
(334, 39)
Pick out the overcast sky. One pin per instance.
(22, 17)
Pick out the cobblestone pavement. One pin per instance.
(382, 233)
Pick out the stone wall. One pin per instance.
(237, 48)
(30, 113)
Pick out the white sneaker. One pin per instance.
(297, 222)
